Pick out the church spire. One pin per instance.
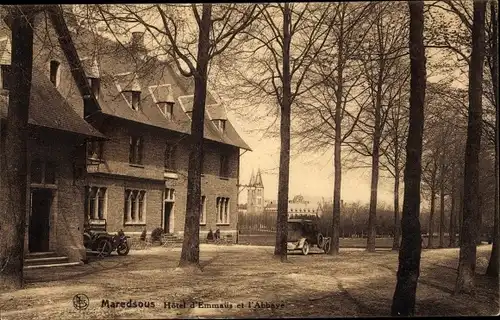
(252, 179)
(258, 180)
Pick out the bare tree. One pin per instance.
(393, 156)
(334, 104)
(403, 303)
(278, 57)
(13, 215)
(385, 75)
(494, 263)
(467, 259)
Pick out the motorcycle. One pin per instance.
(120, 244)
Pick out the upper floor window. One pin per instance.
(136, 146)
(43, 172)
(95, 150)
(6, 70)
(170, 152)
(54, 72)
(224, 166)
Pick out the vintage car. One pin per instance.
(303, 234)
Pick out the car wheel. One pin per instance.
(305, 248)
(321, 241)
(327, 247)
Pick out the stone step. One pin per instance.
(54, 265)
(40, 255)
(45, 260)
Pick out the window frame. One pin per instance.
(203, 212)
(43, 173)
(222, 210)
(170, 157)
(54, 72)
(136, 147)
(135, 207)
(224, 171)
(96, 204)
(6, 75)
(91, 150)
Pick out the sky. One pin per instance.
(310, 176)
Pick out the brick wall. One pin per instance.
(116, 174)
(66, 219)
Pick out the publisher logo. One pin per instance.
(80, 301)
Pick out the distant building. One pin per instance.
(297, 206)
(255, 191)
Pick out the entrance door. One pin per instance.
(167, 213)
(39, 224)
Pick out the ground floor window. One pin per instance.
(95, 203)
(135, 207)
(203, 213)
(222, 210)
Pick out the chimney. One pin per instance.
(137, 41)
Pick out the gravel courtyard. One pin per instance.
(245, 281)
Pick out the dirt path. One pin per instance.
(245, 281)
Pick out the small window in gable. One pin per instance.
(54, 72)
(6, 69)
(220, 124)
(167, 108)
(136, 100)
(95, 86)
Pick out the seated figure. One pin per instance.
(210, 235)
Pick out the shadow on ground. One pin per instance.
(246, 281)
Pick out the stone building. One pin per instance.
(121, 162)
(255, 194)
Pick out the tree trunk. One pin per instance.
(372, 215)
(467, 259)
(453, 218)
(441, 213)
(334, 249)
(494, 263)
(190, 254)
(430, 242)
(460, 210)
(13, 217)
(403, 303)
(280, 249)
(397, 222)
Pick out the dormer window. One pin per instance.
(220, 124)
(136, 100)
(95, 86)
(133, 98)
(6, 69)
(54, 72)
(167, 108)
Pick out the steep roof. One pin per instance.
(118, 59)
(252, 179)
(48, 108)
(258, 180)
